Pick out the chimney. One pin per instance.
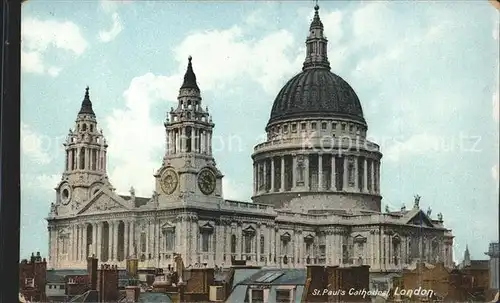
(132, 293)
(92, 271)
(315, 280)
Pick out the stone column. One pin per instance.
(277, 245)
(282, 174)
(255, 178)
(99, 241)
(257, 246)
(390, 252)
(115, 240)
(365, 176)
(71, 244)
(378, 177)
(356, 174)
(86, 155)
(193, 139)
(334, 175)
(126, 231)
(194, 239)
(294, 171)
(104, 160)
(320, 172)
(228, 234)
(306, 177)
(94, 239)
(83, 253)
(111, 226)
(131, 239)
(210, 143)
(272, 175)
(264, 167)
(345, 184)
(239, 241)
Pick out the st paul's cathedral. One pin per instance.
(314, 203)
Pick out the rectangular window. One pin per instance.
(323, 125)
(285, 128)
(308, 248)
(343, 126)
(29, 282)
(143, 242)
(248, 244)
(313, 125)
(294, 127)
(61, 286)
(351, 128)
(257, 295)
(205, 240)
(170, 240)
(303, 126)
(322, 250)
(283, 296)
(334, 126)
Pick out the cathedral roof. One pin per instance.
(316, 91)
(190, 77)
(86, 104)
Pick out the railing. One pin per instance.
(337, 142)
(247, 205)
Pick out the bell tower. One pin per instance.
(189, 171)
(85, 168)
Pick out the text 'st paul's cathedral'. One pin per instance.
(314, 203)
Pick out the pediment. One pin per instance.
(104, 201)
(286, 237)
(309, 238)
(359, 239)
(249, 230)
(167, 226)
(420, 219)
(207, 227)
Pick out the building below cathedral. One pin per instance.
(316, 188)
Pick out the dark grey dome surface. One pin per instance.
(316, 92)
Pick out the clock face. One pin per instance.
(169, 181)
(207, 181)
(65, 194)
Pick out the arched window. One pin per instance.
(84, 127)
(261, 244)
(233, 244)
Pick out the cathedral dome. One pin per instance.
(316, 91)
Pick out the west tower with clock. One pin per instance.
(85, 169)
(188, 172)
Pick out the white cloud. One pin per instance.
(219, 58)
(134, 124)
(116, 28)
(54, 71)
(38, 36)
(222, 56)
(43, 183)
(415, 145)
(33, 147)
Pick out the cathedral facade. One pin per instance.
(316, 188)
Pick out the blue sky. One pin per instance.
(426, 74)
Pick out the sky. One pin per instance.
(426, 74)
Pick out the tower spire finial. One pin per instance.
(190, 77)
(316, 56)
(86, 104)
